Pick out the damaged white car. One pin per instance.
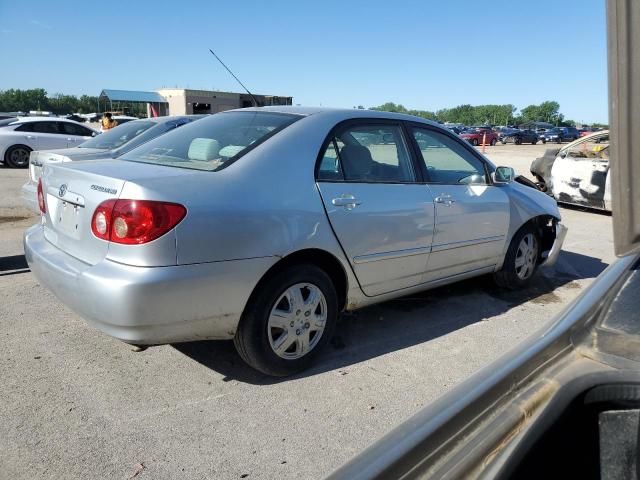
(577, 173)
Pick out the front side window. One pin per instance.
(211, 143)
(447, 161)
(367, 153)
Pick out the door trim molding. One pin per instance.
(466, 243)
(375, 257)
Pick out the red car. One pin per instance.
(475, 135)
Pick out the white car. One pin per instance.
(22, 135)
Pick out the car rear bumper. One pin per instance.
(29, 196)
(148, 305)
(552, 257)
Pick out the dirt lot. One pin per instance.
(78, 404)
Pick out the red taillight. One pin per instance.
(135, 221)
(41, 204)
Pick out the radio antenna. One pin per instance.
(255, 102)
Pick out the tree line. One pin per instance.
(16, 100)
(548, 111)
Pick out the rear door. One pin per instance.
(472, 215)
(382, 217)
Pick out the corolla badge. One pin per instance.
(63, 190)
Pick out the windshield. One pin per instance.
(118, 136)
(211, 143)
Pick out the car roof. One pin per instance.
(338, 114)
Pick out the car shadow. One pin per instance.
(401, 323)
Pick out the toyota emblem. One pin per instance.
(63, 190)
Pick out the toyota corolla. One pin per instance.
(262, 225)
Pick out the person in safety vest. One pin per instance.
(107, 122)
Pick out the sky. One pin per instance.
(426, 55)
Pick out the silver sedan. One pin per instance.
(262, 225)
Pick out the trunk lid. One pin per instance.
(39, 158)
(73, 190)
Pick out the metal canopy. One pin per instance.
(131, 96)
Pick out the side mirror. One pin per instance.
(503, 175)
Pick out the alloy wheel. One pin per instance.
(526, 256)
(297, 321)
(19, 157)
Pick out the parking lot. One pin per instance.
(78, 404)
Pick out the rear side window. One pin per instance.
(446, 161)
(211, 143)
(368, 154)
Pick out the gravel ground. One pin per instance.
(78, 404)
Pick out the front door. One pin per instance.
(382, 217)
(75, 134)
(472, 215)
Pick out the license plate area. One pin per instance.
(67, 218)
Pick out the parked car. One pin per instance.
(560, 134)
(520, 136)
(564, 403)
(578, 173)
(476, 135)
(188, 237)
(110, 144)
(22, 135)
(455, 130)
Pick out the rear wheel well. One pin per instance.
(321, 259)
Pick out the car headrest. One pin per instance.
(204, 149)
(356, 161)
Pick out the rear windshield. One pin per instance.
(213, 142)
(118, 136)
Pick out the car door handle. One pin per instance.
(31, 137)
(445, 199)
(347, 201)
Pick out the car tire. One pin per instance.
(504, 142)
(493, 142)
(559, 140)
(17, 156)
(474, 142)
(534, 142)
(272, 320)
(544, 141)
(521, 260)
(517, 141)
